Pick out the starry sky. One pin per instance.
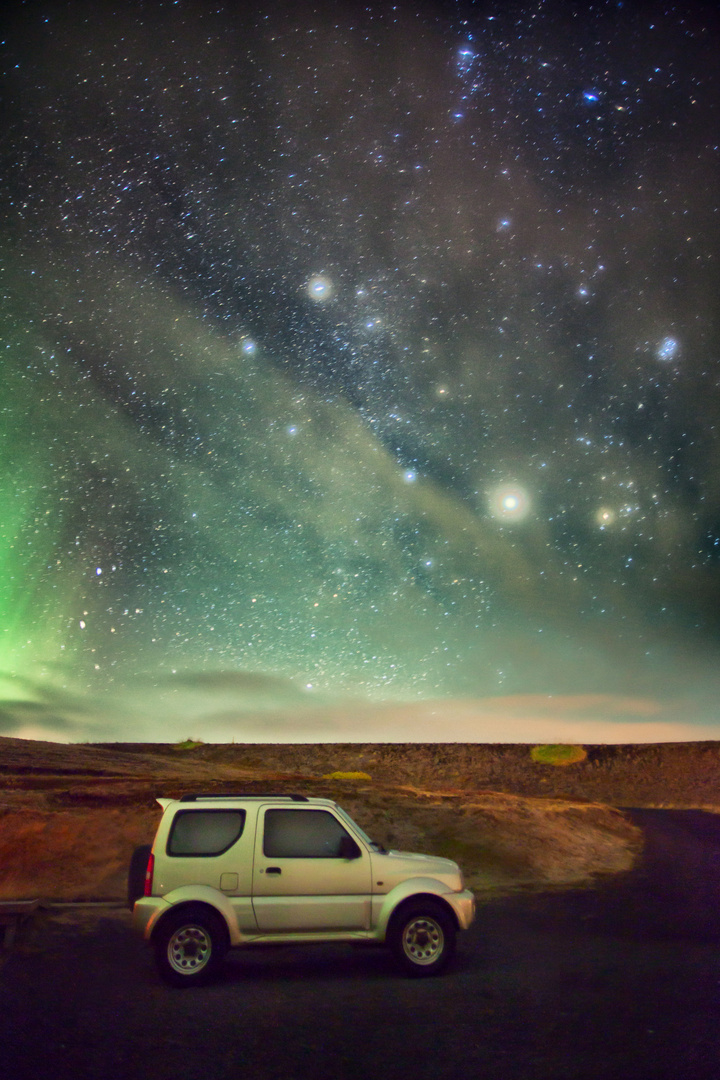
(359, 353)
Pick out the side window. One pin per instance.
(302, 834)
(205, 832)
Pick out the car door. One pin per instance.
(301, 881)
(211, 846)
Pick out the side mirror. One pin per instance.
(348, 849)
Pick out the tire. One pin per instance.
(136, 874)
(422, 936)
(190, 946)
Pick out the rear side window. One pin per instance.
(205, 832)
(302, 834)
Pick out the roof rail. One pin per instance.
(243, 795)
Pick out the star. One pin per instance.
(319, 288)
(509, 502)
(668, 349)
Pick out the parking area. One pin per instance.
(542, 986)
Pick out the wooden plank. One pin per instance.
(18, 907)
(12, 913)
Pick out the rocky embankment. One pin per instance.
(71, 815)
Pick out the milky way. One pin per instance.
(371, 350)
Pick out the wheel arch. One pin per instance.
(433, 899)
(188, 908)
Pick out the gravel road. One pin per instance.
(619, 982)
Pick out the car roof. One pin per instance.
(207, 797)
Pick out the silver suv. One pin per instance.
(235, 870)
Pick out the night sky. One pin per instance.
(359, 356)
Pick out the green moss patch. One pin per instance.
(189, 744)
(347, 776)
(558, 754)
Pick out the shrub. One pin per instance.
(189, 744)
(557, 754)
(347, 776)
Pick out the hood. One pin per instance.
(396, 866)
(416, 857)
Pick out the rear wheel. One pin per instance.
(190, 946)
(422, 936)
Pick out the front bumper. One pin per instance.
(463, 904)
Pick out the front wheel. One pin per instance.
(422, 936)
(190, 947)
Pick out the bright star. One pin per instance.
(319, 288)
(668, 349)
(604, 517)
(509, 502)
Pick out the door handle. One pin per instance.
(273, 870)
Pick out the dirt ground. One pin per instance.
(71, 815)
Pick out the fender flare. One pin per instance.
(202, 896)
(412, 889)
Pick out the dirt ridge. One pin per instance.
(70, 814)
